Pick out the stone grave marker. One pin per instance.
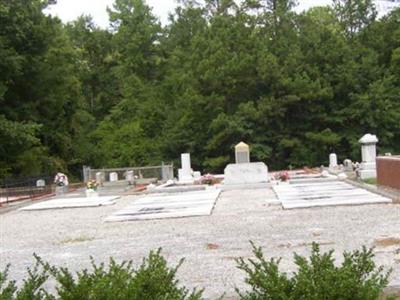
(242, 153)
(113, 176)
(40, 183)
(368, 153)
(333, 161)
(185, 172)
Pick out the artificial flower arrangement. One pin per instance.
(283, 176)
(92, 185)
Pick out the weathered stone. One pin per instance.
(332, 161)
(368, 154)
(40, 183)
(246, 173)
(242, 153)
(113, 176)
(185, 172)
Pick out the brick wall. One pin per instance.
(388, 171)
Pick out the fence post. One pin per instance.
(163, 175)
(86, 173)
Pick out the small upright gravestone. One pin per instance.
(242, 153)
(368, 154)
(348, 165)
(113, 176)
(100, 177)
(40, 183)
(129, 177)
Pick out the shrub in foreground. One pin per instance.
(316, 278)
(153, 280)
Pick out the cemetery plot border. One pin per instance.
(332, 193)
(188, 204)
(72, 203)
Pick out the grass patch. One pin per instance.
(370, 181)
(78, 239)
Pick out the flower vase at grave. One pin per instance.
(90, 193)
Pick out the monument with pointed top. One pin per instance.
(242, 153)
(244, 172)
(368, 155)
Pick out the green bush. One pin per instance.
(153, 280)
(317, 278)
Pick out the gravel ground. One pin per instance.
(69, 237)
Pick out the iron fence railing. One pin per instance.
(16, 189)
(163, 172)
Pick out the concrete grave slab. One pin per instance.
(198, 203)
(72, 203)
(304, 195)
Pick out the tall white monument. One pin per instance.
(185, 173)
(333, 161)
(368, 155)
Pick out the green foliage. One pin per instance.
(295, 86)
(318, 277)
(152, 280)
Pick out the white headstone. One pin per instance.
(113, 176)
(348, 165)
(129, 177)
(196, 175)
(40, 183)
(185, 172)
(99, 177)
(332, 161)
(242, 153)
(368, 155)
(246, 173)
(325, 173)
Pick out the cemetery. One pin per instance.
(124, 213)
(239, 136)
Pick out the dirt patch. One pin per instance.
(387, 242)
(211, 246)
(392, 292)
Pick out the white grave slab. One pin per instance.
(72, 203)
(312, 194)
(199, 203)
(246, 173)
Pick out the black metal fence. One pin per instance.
(17, 189)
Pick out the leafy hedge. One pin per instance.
(152, 280)
(317, 278)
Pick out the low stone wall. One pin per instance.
(388, 171)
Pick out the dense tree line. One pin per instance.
(295, 86)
